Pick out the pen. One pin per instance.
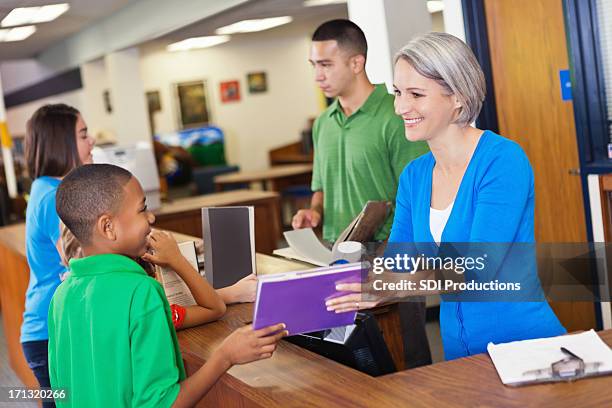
(569, 353)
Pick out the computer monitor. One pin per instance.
(139, 159)
(360, 346)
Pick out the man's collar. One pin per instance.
(370, 105)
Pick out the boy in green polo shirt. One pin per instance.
(111, 339)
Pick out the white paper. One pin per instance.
(512, 360)
(305, 243)
(176, 289)
(290, 254)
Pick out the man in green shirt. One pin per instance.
(111, 338)
(360, 150)
(359, 142)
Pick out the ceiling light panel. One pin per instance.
(315, 3)
(198, 42)
(33, 15)
(433, 6)
(250, 26)
(17, 33)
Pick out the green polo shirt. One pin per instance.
(111, 339)
(359, 158)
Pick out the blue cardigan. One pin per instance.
(494, 204)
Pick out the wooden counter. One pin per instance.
(184, 215)
(296, 377)
(14, 279)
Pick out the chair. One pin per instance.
(204, 178)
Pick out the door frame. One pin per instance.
(588, 93)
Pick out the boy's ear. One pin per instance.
(105, 227)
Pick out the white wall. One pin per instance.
(259, 122)
(95, 82)
(16, 117)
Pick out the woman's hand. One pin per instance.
(355, 301)
(165, 249)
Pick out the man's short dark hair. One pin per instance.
(348, 35)
(88, 192)
(50, 143)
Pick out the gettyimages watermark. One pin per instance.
(490, 272)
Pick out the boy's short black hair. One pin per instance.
(88, 192)
(348, 35)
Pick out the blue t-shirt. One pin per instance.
(42, 234)
(494, 204)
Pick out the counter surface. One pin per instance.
(296, 377)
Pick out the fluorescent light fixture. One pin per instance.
(17, 33)
(314, 3)
(433, 6)
(249, 26)
(198, 42)
(33, 15)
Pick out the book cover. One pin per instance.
(298, 298)
(229, 244)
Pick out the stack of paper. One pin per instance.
(514, 360)
(305, 246)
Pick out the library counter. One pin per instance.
(295, 377)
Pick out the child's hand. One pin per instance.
(165, 249)
(246, 289)
(245, 344)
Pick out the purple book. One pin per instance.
(298, 298)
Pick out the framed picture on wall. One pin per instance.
(153, 101)
(230, 91)
(192, 104)
(258, 82)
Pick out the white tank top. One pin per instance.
(438, 220)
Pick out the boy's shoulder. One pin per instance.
(134, 295)
(108, 280)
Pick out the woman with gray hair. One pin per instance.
(473, 187)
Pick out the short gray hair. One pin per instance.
(452, 64)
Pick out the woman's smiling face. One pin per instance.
(425, 105)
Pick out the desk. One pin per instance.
(296, 377)
(289, 154)
(184, 215)
(274, 178)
